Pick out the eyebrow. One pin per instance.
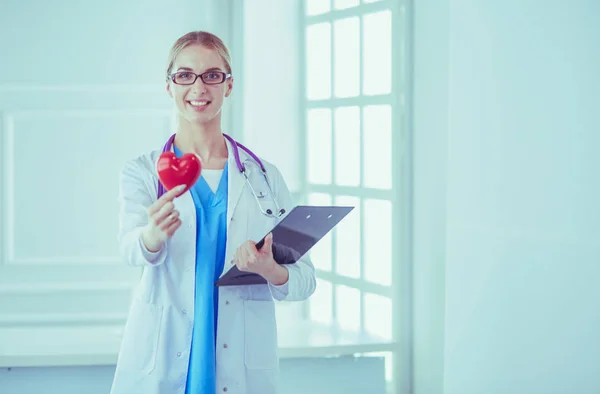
(207, 70)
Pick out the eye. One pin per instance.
(184, 75)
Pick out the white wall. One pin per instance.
(430, 131)
(522, 262)
(91, 93)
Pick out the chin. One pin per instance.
(200, 118)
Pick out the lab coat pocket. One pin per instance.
(260, 335)
(141, 335)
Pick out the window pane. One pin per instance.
(316, 7)
(377, 233)
(377, 147)
(318, 61)
(347, 306)
(347, 146)
(321, 303)
(377, 53)
(346, 52)
(318, 146)
(378, 316)
(370, 1)
(319, 199)
(342, 4)
(321, 253)
(348, 239)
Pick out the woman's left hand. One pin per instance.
(260, 261)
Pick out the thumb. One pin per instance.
(268, 242)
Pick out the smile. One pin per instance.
(199, 103)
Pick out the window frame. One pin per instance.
(400, 290)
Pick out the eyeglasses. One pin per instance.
(189, 78)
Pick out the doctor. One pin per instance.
(183, 334)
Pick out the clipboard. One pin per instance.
(293, 237)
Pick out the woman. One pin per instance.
(183, 334)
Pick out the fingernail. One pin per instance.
(180, 187)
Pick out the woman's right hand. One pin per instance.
(163, 220)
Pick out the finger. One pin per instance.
(165, 198)
(247, 255)
(250, 253)
(173, 227)
(240, 261)
(164, 212)
(241, 265)
(237, 257)
(173, 193)
(268, 244)
(169, 220)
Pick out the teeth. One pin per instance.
(198, 103)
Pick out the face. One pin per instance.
(199, 103)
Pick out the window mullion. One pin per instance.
(303, 134)
(362, 172)
(333, 167)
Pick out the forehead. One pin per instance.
(198, 58)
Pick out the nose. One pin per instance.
(199, 85)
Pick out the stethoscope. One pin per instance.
(242, 168)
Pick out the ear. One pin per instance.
(168, 89)
(229, 87)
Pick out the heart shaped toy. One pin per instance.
(174, 171)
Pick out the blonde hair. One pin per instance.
(203, 38)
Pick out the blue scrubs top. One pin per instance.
(211, 235)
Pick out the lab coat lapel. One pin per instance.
(235, 185)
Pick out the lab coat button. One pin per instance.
(225, 346)
(178, 354)
(184, 311)
(225, 389)
(226, 302)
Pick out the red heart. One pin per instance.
(173, 171)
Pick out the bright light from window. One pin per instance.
(318, 61)
(377, 53)
(319, 140)
(347, 146)
(346, 55)
(377, 146)
(316, 7)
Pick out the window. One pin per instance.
(352, 128)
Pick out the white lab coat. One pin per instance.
(155, 349)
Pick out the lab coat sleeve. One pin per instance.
(134, 200)
(301, 283)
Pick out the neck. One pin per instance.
(206, 140)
